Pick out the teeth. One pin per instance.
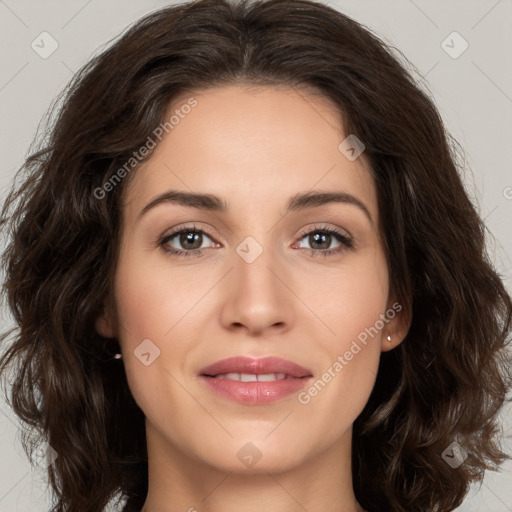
(247, 377)
(251, 377)
(271, 376)
(232, 376)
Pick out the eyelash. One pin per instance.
(345, 242)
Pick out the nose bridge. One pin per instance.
(253, 270)
(258, 297)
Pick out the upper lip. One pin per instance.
(255, 366)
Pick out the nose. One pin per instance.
(257, 297)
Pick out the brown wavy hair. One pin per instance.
(447, 381)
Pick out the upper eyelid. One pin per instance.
(319, 227)
(188, 227)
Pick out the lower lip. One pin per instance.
(255, 393)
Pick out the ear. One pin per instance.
(397, 327)
(105, 323)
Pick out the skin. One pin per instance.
(254, 148)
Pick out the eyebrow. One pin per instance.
(209, 202)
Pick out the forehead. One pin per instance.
(253, 145)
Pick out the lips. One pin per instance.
(265, 366)
(255, 381)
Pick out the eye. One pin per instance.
(190, 238)
(190, 241)
(320, 238)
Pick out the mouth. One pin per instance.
(255, 381)
(269, 368)
(252, 377)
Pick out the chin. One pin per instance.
(246, 455)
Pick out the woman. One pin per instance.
(334, 336)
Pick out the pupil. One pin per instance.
(321, 237)
(187, 238)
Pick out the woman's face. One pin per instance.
(307, 284)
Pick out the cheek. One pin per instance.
(157, 304)
(150, 299)
(149, 304)
(352, 300)
(352, 307)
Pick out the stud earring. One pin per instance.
(118, 356)
(389, 338)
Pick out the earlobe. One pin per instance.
(396, 330)
(390, 342)
(104, 325)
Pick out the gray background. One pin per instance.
(473, 93)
